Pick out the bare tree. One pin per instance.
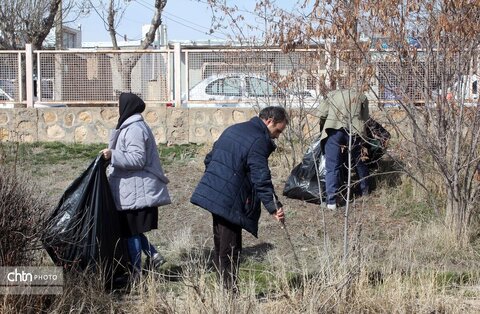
(444, 133)
(114, 13)
(27, 21)
(421, 54)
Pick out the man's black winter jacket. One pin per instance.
(237, 177)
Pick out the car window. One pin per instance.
(3, 96)
(7, 88)
(259, 87)
(229, 86)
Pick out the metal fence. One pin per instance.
(205, 63)
(99, 76)
(398, 83)
(237, 74)
(167, 76)
(11, 65)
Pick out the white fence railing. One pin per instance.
(96, 77)
(12, 65)
(167, 76)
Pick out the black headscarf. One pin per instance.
(129, 104)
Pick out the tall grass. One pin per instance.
(353, 290)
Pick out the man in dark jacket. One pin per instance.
(236, 180)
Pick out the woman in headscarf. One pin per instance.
(137, 180)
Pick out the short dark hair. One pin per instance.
(279, 114)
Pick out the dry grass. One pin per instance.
(422, 288)
(401, 260)
(350, 290)
(393, 292)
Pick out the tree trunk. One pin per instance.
(457, 217)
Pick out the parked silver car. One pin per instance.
(244, 90)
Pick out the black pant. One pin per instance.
(227, 238)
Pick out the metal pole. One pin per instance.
(29, 74)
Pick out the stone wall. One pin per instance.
(169, 125)
(93, 125)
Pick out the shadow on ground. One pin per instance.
(257, 252)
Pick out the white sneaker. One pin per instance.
(332, 206)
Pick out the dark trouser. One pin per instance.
(227, 239)
(137, 244)
(334, 159)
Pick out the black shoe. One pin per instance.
(120, 283)
(155, 262)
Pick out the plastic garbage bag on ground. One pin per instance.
(84, 231)
(307, 179)
(376, 142)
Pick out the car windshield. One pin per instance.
(229, 86)
(259, 87)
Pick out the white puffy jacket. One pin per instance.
(136, 175)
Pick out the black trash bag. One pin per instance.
(83, 233)
(376, 142)
(304, 180)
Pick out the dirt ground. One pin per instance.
(302, 241)
(373, 226)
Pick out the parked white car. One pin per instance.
(7, 100)
(244, 90)
(7, 89)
